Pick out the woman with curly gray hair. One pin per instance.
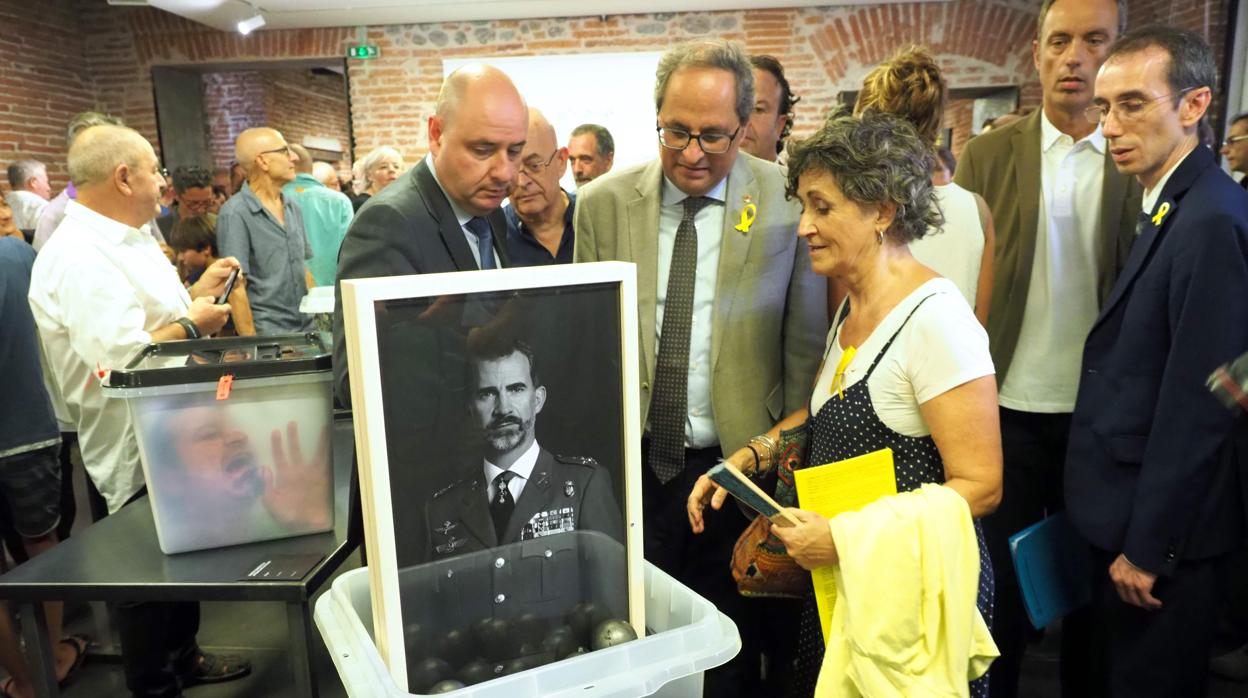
(907, 368)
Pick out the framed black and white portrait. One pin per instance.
(496, 420)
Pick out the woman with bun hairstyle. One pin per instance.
(911, 86)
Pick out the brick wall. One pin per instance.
(825, 50)
(296, 102)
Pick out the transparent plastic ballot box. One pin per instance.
(686, 635)
(234, 436)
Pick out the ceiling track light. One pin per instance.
(250, 24)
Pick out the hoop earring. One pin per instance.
(880, 234)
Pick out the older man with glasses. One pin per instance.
(732, 317)
(539, 217)
(264, 230)
(1235, 147)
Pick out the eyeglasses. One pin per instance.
(535, 168)
(284, 149)
(712, 143)
(164, 173)
(1232, 140)
(1128, 110)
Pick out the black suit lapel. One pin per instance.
(474, 506)
(440, 210)
(498, 229)
(1156, 225)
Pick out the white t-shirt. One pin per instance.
(957, 248)
(98, 289)
(941, 347)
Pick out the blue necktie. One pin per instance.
(485, 240)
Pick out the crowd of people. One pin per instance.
(1028, 328)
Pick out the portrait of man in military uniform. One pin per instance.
(517, 490)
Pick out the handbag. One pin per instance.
(760, 565)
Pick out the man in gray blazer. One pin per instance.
(732, 318)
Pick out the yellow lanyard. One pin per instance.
(838, 379)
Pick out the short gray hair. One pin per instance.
(875, 158)
(21, 171)
(85, 120)
(1046, 5)
(709, 53)
(605, 144)
(98, 150)
(373, 160)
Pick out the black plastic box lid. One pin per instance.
(206, 360)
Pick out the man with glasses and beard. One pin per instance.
(519, 490)
(539, 217)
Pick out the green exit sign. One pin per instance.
(364, 51)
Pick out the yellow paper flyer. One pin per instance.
(831, 489)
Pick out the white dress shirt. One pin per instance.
(26, 206)
(1062, 299)
(1150, 197)
(98, 289)
(523, 469)
(709, 221)
(463, 219)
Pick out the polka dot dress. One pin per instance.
(849, 427)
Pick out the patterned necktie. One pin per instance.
(1142, 222)
(502, 505)
(669, 404)
(485, 240)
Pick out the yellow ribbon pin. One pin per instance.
(838, 378)
(748, 214)
(1161, 213)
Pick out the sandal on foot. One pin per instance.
(216, 668)
(80, 644)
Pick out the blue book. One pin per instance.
(1054, 566)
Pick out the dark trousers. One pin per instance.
(1134, 653)
(157, 642)
(1034, 450)
(702, 562)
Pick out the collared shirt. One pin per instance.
(462, 218)
(524, 250)
(27, 206)
(523, 468)
(1062, 301)
(326, 216)
(54, 213)
(272, 257)
(709, 221)
(1151, 196)
(98, 289)
(26, 419)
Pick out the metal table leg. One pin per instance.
(39, 650)
(299, 629)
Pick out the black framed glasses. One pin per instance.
(1128, 110)
(535, 167)
(284, 149)
(1232, 140)
(711, 143)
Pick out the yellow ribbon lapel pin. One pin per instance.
(1161, 213)
(748, 213)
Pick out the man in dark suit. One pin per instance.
(1150, 471)
(444, 214)
(1064, 219)
(1235, 147)
(519, 490)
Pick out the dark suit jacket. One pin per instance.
(409, 228)
(458, 518)
(1003, 166)
(1150, 466)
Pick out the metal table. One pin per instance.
(118, 559)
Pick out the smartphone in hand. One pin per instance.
(229, 287)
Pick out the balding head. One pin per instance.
(264, 155)
(476, 135)
(536, 195)
(325, 174)
(540, 129)
(304, 164)
(116, 173)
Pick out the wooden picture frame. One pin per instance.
(420, 352)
